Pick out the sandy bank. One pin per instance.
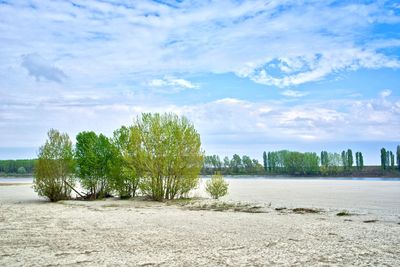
(139, 233)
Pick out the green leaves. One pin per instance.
(167, 152)
(93, 155)
(54, 168)
(217, 186)
(159, 154)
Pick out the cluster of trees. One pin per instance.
(388, 159)
(291, 162)
(19, 166)
(297, 163)
(159, 156)
(359, 161)
(347, 159)
(398, 157)
(331, 163)
(236, 165)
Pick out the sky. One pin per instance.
(252, 76)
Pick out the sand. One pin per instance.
(140, 233)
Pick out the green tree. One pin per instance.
(53, 176)
(226, 164)
(398, 157)
(383, 159)
(123, 175)
(359, 161)
(391, 160)
(217, 186)
(236, 164)
(324, 159)
(350, 160)
(93, 158)
(265, 161)
(247, 163)
(167, 154)
(344, 160)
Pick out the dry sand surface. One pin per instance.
(141, 233)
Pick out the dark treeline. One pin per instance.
(19, 166)
(285, 162)
(235, 166)
(388, 159)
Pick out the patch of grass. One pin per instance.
(226, 206)
(370, 221)
(280, 208)
(305, 210)
(344, 213)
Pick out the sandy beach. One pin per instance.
(114, 232)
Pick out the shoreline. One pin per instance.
(148, 233)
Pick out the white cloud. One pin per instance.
(102, 42)
(385, 93)
(293, 93)
(171, 81)
(302, 69)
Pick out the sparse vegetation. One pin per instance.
(370, 221)
(344, 213)
(225, 206)
(305, 210)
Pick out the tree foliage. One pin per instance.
(122, 172)
(265, 161)
(166, 151)
(359, 161)
(12, 166)
(53, 176)
(384, 162)
(331, 163)
(217, 187)
(236, 166)
(398, 157)
(93, 156)
(293, 162)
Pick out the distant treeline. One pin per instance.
(19, 166)
(235, 166)
(285, 162)
(274, 163)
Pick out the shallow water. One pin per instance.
(16, 179)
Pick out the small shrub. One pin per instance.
(217, 186)
(343, 213)
(305, 210)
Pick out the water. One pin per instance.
(16, 180)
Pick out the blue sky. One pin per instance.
(251, 75)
